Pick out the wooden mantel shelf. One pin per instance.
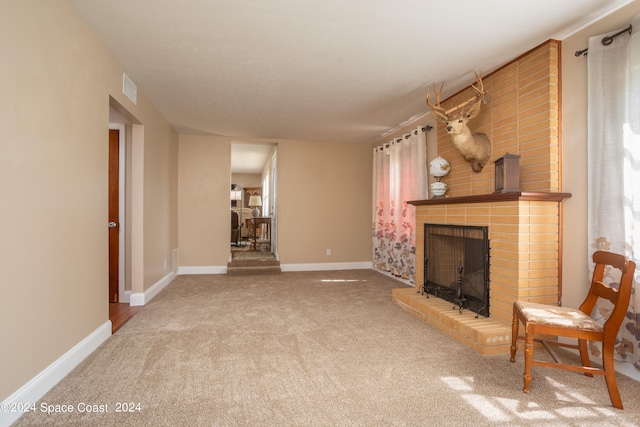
(531, 196)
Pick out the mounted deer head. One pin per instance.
(474, 147)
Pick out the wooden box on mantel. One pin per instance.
(507, 173)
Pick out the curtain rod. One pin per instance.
(606, 41)
(415, 132)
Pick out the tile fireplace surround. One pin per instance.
(525, 241)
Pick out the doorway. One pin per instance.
(129, 218)
(252, 172)
(119, 309)
(272, 185)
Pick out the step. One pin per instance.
(253, 270)
(254, 263)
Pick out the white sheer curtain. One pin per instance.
(614, 167)
(399, 175)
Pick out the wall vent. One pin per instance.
(129, 89)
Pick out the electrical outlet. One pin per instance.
(328, 252)
(165, 263)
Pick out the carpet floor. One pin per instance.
(311, 349)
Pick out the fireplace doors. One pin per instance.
(456, 266)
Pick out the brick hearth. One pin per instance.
(484, 335)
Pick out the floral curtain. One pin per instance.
(399, 175)
(614, 168)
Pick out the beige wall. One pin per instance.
(324, 201)
(160, 197)
(203, 202)
(247, 179)
(574, 148)
(54, 114)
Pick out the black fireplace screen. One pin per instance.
(456, 265)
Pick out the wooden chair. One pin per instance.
(553, 321)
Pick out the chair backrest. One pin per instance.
(234, 220)
(619, 297)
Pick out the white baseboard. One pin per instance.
(628, 369)
(39, 385)
(622, 367)
(141, 298)
(211, 269)
(399, 279)
(367, 265)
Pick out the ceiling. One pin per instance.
(249, 158)
(331, 70)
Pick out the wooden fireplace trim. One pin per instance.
(524, 196)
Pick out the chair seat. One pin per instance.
(563, 317)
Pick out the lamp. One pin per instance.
(438, 167)
(255, 202)
(236, 194)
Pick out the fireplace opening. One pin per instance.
(456, 266)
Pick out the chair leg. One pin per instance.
(528, 355)
(610, 374)
(515, 324)
(584, 355)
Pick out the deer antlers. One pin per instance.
(474, 147)
(480, 92)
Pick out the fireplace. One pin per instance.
(456, 266)
(524, 234)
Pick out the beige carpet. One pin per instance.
(312, 349)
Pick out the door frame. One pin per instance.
(273, 189)
(120, 127)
